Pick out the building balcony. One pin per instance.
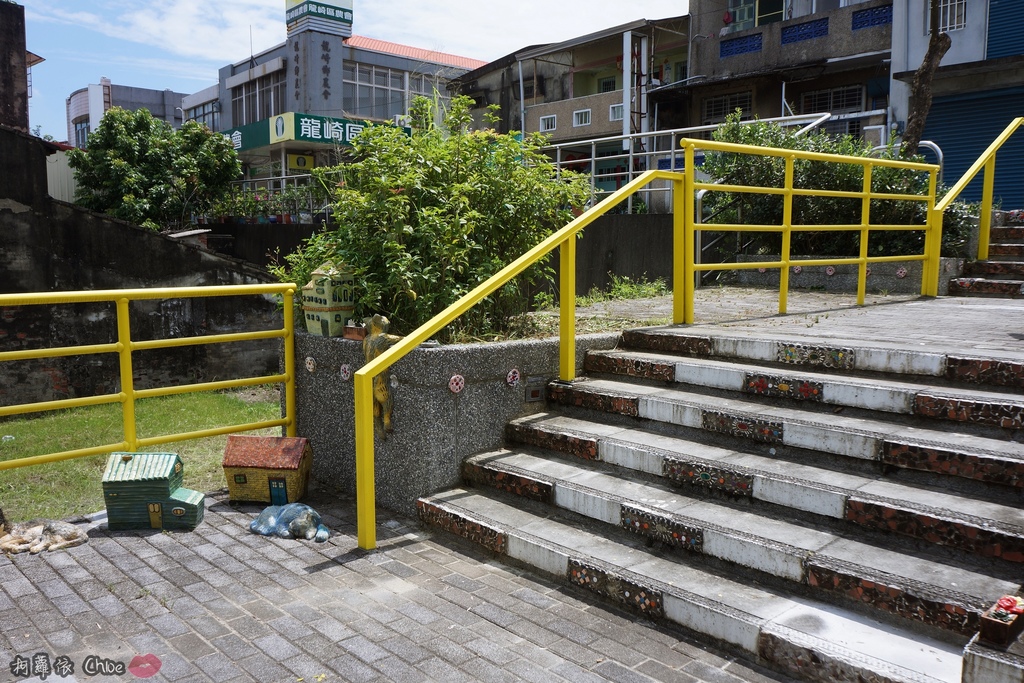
(590, 116)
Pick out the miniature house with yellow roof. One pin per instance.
(267, 469)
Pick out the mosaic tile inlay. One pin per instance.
(816, 356)
(633, 596)
(609, 403)
(660, 528)
(702, 474)
(562, 442)
(631, 367)
(747, 428)
(985, 371)
(782, 387)
(518, 484)
(1000, 414)
(686, 345)
(992, 469)
(987, 542)
(809, 663)
(894, 598)
(455, 523)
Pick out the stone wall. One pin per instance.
(434, 427)
(51, 246)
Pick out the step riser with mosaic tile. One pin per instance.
(990, 467)
(1007, 233)
(968, 370)
(1008, 289)
(1011, 270)
(768, 484)
(764, 624)
(809, 565)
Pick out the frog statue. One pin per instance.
(376, 342)
(294, 520)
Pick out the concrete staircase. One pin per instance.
(1002, 275)
(838, 513)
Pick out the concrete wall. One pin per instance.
(48, 246)
(435, 429)
(13, 67)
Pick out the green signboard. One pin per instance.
(293, 126)
(324, 9)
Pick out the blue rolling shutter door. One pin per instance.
(965, 125)
(1004, 27)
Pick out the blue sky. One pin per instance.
(180, 44)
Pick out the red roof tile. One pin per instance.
(413, 52)
(269, 452)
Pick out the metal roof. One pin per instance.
(140, 466)
(387, 47)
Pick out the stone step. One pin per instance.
(798, 637)
(1005, 249)
(995, 270)
(877, 441)
(984, 528)
(931, 592)
(905, 398)
(814, 353)
(974, 286)
(1006, 233)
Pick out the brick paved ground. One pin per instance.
(222, 604)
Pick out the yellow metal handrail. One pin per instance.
(685, 266)
(124, 348)
(987, 160)
(565, 239)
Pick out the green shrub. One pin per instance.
(424, 218)
(767, 209)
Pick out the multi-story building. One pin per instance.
(590, 87)
(86, 106)
(977, 90)
(293, 106)
(780, 57)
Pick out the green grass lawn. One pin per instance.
(72, 487)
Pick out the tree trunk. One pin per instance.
(921, 86)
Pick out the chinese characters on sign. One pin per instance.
(39, 665)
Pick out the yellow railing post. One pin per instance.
(289, 361)
(865, 235)
(366, 504)
(787, 232)
(567, 309)
(683, 223)
(932, 242)
(985, 219)
(124, 353)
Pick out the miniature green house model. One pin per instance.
(143, 491)
(267, 469)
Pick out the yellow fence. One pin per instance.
(124, 346)
(986, 161)
(684, 267)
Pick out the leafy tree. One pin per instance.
(139, 169)
(766, 209)
(424, 218)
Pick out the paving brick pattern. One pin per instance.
(224, 605)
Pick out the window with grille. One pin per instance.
(606, 84)
(581, 118)
(845, 100)
(952, 15)
(258, 99)
(375, 92)
(208, 114)
(548, 123)
(716, 108)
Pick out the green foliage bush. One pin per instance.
(766, 209)
(424, 218)
(139, 169)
